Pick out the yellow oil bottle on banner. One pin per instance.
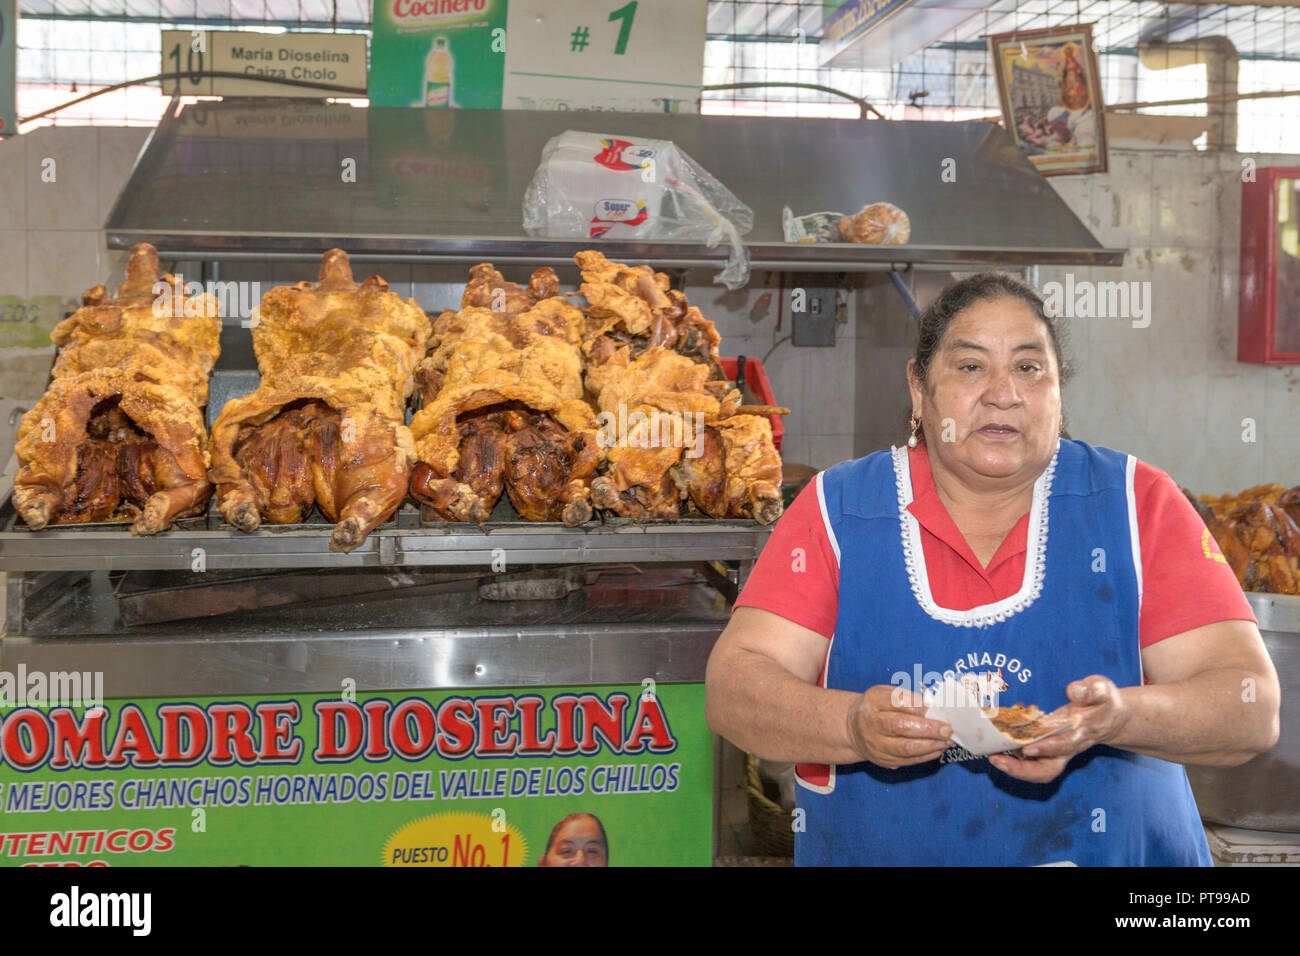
(437, 54)
(439, 69)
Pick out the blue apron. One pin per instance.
(1076, 614)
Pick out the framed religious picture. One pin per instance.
(1051, 97)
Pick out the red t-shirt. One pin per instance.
(1186, 582)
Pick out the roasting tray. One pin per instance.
(208, 543)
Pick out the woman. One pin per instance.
(577, 840)
(1076, 576)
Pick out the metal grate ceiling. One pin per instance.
(67, 43)
(1121, 24)
(1260, 32)
(787, 20)
(351, 14)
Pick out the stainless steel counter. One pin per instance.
(1264, 792)
(658, 624)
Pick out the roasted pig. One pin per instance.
(325, 428)
(632, 308)
(1257, 532)
(119, 434)
(682, 439)
(682, 445)
(503, 405)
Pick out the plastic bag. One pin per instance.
(596, 185)
(880, 223)
(814, 227)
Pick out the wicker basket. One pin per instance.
(768, 821)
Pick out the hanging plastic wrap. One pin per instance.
(596, 185)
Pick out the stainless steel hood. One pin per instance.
(252, 179)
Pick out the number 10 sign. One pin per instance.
(627, 55)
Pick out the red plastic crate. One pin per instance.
(756, 379)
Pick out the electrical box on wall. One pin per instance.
(812, 310)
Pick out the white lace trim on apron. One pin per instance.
(914, 555)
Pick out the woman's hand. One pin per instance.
(1098, 706)
(887, 725)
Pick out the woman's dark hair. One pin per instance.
(982, 287)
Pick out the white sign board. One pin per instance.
(336, 59)
(625, 55)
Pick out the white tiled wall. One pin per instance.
(816, 383)
(1174, 394)
(51, 232)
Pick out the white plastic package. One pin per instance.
(597, 185)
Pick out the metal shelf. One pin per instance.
(533, 253)
(299, 546)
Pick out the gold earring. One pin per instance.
(916, 428)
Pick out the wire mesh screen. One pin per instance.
(773, 57)
(1147, 53)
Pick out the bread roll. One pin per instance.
(880, 223)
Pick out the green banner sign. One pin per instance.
(27, 322)
(617, 776)
(438, 53)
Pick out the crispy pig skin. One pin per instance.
(325, 427)
(652, 359)
(1025, 723)
(504, 410)
(1258, 533)
(119, 434)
